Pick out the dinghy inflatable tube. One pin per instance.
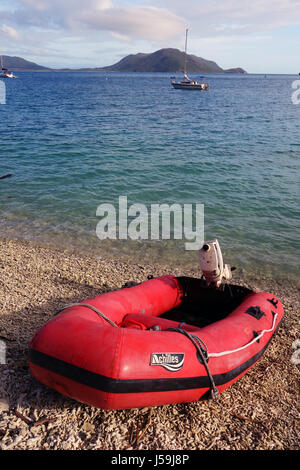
(115, 351)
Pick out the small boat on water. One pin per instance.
(166, 340)
(5, 73)
(187, 83)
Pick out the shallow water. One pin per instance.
(76, 140)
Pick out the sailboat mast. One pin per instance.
(186, 35)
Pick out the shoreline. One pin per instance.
(168, 256)
(96, 70)
(257, 412)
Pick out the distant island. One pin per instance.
(167, 60)
(164, 60)
(17, 64)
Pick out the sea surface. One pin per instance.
(73, 141)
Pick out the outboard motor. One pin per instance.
(211, 264)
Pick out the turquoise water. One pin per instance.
(76, 140)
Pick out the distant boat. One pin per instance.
(5, 73)
(187, 83)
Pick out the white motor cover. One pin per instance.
(211, 263)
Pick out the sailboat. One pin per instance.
(5, 73)
(187, 83)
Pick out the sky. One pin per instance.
(261, 36)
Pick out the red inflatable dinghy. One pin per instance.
(166, 340)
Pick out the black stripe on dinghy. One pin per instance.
(111, 385)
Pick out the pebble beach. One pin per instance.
(259, 412)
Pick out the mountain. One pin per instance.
(235, 70)
(19, 64)
(164, 60)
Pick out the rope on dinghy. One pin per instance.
(203, 352)
(92, 308)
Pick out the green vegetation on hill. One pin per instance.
(164, 60)
(17, 63)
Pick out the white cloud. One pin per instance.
(67, 5)
(210, 17)
(161, 23)
(130, 21)
(9, 31)
(134, 21)
(120, 37)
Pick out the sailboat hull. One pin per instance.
(190, 86)
(8, 76)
